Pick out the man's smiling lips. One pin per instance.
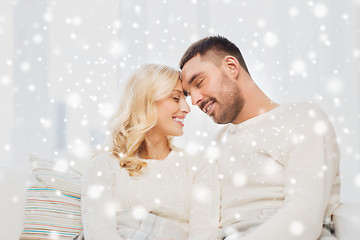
(208, 107)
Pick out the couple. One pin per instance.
(277, 176)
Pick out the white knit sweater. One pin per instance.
(180, 188)
(280, 174)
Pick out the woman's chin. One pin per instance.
(177, 133)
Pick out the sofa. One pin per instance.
(31, 188)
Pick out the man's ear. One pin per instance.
(232, 66)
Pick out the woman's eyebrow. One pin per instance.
(177, 90)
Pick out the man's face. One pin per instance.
(212, 89)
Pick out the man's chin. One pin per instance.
(218, 121)
(221, 120)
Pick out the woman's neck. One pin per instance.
(155, 148)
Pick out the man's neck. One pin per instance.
(255, 103)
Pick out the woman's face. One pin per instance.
(171, 113)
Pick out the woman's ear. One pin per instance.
(232, 66)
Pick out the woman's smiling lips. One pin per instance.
(179, 119)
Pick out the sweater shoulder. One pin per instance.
(303, 112)
(103, 161)
(300, 107)
(309, 120)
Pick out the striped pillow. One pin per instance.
(52, 207)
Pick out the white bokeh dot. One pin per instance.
(334, 86)
(269, 168)
(54, 236)
(94, 191)
(73, 100)
(106, 109)
(7, 147)
(137, 9)
(323, 37)
(84, 122)
(320, 10)
(45, 123)
(201, 193)
(31, 87)
(261, 23)
(110, 209)
(117, 24)
(320, 127)
(80, 149)
(61, 165)
(48, 17)
(135, 25)
(25, 66)
(312, 55)
(356, 53)
(296, 228)
(150, 46)
(37, 38)
(117, 48)
(5, 80)
(293, 11)
(15, 199)
(138, 212)
(298, 66)
(293, 181)
(77, 21)
(271, 39)
(212, 152)
(239, 179)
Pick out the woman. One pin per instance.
(144, 188)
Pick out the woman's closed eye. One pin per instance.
(175, 96)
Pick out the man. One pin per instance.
(279, 164)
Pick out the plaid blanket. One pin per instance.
(149, 226)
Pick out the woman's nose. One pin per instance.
(185, 106)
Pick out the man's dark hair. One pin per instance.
(213, 48)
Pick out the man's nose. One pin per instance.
(196, 98)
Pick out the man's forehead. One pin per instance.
(190, 67)
(184, 76)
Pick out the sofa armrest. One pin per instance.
(347, 221)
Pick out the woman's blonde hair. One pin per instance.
(137, 114)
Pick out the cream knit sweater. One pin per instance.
(181, 188)
(280, 175)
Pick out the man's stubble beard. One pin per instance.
(230, 102)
